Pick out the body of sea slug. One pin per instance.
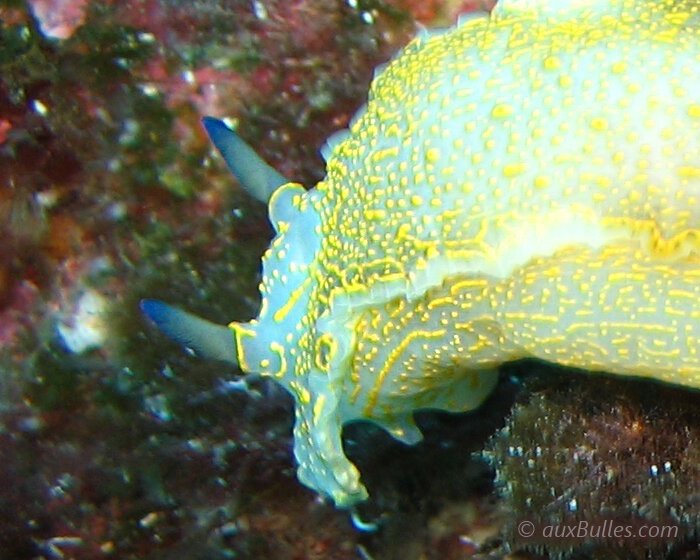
(526, 184)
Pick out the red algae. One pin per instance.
(58, 19)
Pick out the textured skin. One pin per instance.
(524, 185)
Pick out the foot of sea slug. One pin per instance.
(318, 449)
(362, 525)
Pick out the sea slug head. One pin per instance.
(281, 342)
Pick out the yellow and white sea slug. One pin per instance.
(526, 184)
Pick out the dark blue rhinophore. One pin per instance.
(205, 338)
(258, 178)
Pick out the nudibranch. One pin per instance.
(526, 184)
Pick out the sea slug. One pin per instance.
(525, 184)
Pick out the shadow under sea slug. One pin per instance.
(526, 184)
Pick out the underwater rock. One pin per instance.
(595, 450)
